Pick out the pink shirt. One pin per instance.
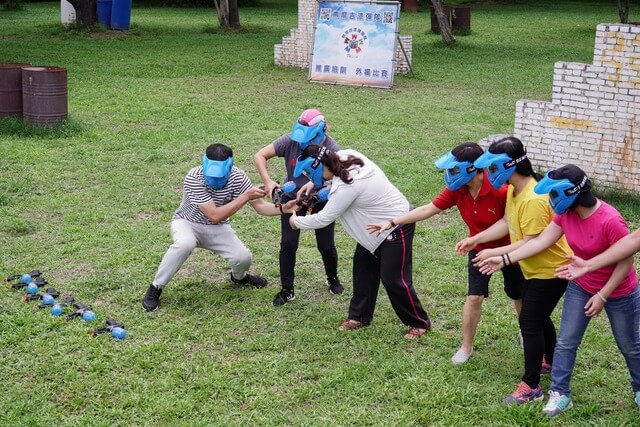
(593, 235)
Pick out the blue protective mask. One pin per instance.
(306, 135)
(456, 173)
(311, 167)
(500, 167)
(216, 172)
(562, 192)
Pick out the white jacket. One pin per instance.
(370, 198)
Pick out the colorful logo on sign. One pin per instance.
(354, 39)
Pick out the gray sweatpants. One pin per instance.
(218, 238)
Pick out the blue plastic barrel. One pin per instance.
(121, 14)
(104, 12)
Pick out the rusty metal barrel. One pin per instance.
(44, 95)
(11, 89)
(461, 18)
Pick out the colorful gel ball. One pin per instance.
(88, 316)
(48, 299)
(26, 278)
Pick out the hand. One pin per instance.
(254, 193)
(577, 268)
(268, 188)
(491, 265)
(465, 245)
(594, 306)
(379, 227)
(304, 190)
(292, 222)
(291, 207)
(483, 255)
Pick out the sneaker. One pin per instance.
(545, 368)
(524, 394)
(335, 287)
(638, 398)
(151, 298)
(255, 281)
(283, 297)
(557, 403)
(520, 339)
(461, 357)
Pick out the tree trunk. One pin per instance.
(623, 11)
(443, 22)
(85, 12)
(234, 15)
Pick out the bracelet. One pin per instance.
(504, 262)
(508, 258)
(393, 224)
(283, 212)
(601, 297)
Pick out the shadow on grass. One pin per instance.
(16, 126)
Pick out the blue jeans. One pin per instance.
(624, 317)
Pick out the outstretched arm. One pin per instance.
(418, 214)
(260, 160)
(529, 246)
(498, 230)
(216, 214)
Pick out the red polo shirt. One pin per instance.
(478, 214)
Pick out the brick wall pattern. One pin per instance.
(592, 119)
(295, 49)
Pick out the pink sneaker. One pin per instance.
(524, 394)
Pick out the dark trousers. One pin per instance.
(392, 263)
(289, 246)
(540, 297)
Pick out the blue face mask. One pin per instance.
(311, 167)
(456, 173)
(500, 167)
(307, 135)
(216, 172)
(562, 192)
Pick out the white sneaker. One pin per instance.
(557, 403)
(461, 357)
(520, 339)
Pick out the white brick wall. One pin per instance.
(295, 49)
(592, 119)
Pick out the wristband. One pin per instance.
(504, 262)
(393, 224)
(508, 258)
(283, 212)
(601, 297)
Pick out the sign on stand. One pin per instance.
(355, 43)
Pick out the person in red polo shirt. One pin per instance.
(480, 206)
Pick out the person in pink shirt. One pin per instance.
(590, 226)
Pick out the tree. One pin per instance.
(623, 11)
(228, 15)
(443, 22)
(85, 12)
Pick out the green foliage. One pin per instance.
(90, 203)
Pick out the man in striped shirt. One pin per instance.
(212, 193)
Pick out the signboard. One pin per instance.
(355, 43)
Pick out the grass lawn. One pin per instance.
(90, 205)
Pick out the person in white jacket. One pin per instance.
(360, 194)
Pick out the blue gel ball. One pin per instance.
(48, 299)
(88, 316)
(25, 278)
(56, 310)
(32, 288)
(118, 333)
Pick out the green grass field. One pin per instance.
(90, 205)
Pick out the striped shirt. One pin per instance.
(196, 192)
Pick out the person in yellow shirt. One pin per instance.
(527, 214)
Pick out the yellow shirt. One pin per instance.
(528, 214)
